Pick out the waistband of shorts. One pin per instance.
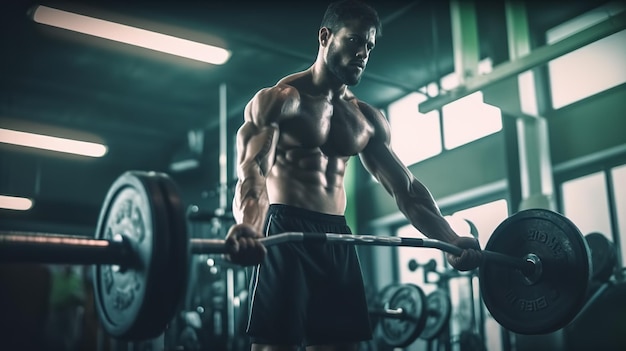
(299, 212)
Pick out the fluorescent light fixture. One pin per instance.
(15, 203)
(184, 165)
(45, 142)
(131, 35)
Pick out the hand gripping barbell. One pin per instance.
(533, 276)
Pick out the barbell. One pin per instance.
(533, 277)
(409, 313)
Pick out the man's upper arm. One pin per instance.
(255, 149)
(256, 141)
(258, 136)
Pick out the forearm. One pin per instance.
(419, 207)
(251, 203)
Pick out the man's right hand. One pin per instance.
(243, 246)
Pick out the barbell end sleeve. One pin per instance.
(17, 247)
(525, 266)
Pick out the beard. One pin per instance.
(346, 75)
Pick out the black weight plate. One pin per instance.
(128, 300)
(439, 309)
(553, 299)
(385, 294)
(177, 272)
(402, 332)
(603, 257)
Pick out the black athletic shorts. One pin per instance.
(309, 294)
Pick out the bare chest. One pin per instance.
(337, 127)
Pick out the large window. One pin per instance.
(468, 119)
(416, 136)
(592, 68)
(585, 202)
(591, 201)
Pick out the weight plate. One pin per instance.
(128, 299)
(380, 301)
(402, 332)
(439, 309)
(551, 300)
(603, 257)
(176, 274)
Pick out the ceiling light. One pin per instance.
(15, 203)
(45, 142)
(184, 165)
(131, 35)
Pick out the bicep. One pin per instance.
(255, 149)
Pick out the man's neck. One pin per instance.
(324, 81)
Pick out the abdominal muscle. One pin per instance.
(307, 178)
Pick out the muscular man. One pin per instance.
(293, 147)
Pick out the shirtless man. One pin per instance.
(293, 147)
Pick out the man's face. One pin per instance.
(349, 50)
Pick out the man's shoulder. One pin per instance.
(269, 104)
(376, 117)
(368, 110)
(279, 92)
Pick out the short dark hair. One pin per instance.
(341, 11)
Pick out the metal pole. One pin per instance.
(223, 200)
(223, 156)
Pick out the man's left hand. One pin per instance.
(471, 256)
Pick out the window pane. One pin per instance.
(592, 68)
(618, 175)
(588, 70)
(414, 136)
(451, 81)
(468, 119)
(486, 218)
(583, 21)
(585, 202)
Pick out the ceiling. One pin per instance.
(142, 104)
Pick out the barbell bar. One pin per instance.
(64, 249)
(141, 248)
